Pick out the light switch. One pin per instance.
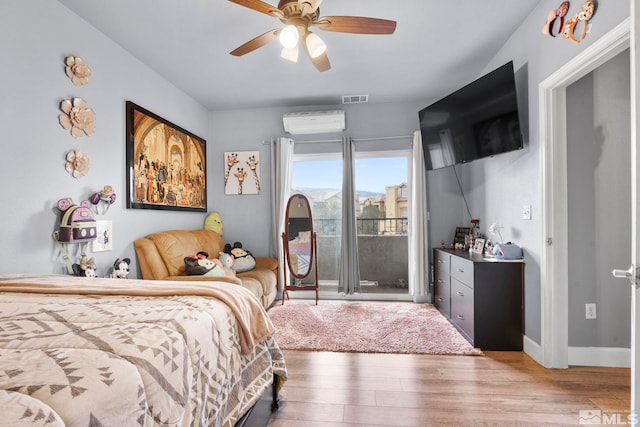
(526, 212)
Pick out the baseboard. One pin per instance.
(422, 299)
(612, 357)
(532, 348)
(609, 357)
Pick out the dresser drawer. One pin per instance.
(462, 312)
(442, 262)
(462, 270)
(442, 294)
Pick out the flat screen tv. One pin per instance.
(476, 121)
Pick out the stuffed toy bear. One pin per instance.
(120, 268)
(242, 258)
(201, 265)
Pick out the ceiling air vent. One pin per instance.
(314, 122)
(355, 99)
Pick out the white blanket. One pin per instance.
(129, 360)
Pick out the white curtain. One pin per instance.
(349, 271)
(418, 252)
(281, 163)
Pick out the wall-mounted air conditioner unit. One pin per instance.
(314, 122)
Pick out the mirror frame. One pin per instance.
(311, 240)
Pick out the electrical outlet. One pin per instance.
(526, 212)
(590, 310)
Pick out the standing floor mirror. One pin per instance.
(299, 245)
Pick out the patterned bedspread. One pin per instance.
(128, 360)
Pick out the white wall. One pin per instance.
(36, 36)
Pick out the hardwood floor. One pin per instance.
(498, 389)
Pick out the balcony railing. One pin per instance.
(382, 248)
(366, 226)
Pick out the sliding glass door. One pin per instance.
(381, 200)
(382, 194)
(320, 179)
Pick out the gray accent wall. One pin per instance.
(37, 35)
(498, 187)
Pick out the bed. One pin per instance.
(76, 351)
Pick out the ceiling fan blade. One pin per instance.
(321, 62)
(259, 6)
(255, 43)
(355, 25)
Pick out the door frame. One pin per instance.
(554, 274)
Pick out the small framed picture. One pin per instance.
(242, 172)
(460, 233)
(478, 246)
(104, 240)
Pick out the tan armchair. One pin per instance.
(161, 257)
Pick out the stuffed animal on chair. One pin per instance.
(214, 222)
(120, 268)
(201, 265)
(242, 258)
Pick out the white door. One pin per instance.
(635, 212)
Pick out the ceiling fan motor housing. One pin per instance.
(295, 13)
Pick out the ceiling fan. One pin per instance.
(298, 16)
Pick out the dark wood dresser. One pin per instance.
(483, 298)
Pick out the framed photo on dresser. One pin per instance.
(478, 246)
(460, 233)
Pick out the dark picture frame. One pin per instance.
(166, 164)
(460, 233)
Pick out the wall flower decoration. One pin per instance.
(77, 164)
(77, 117)
(77, 70)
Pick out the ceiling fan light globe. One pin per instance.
(315, 45)
(289, 37)
(290, 53)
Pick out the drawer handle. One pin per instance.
(440, 299)
(461, 293)
(460, 316)
(441, 261)
(460, 270)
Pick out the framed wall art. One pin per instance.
(166, 165)
(104, 239)
(242, 172)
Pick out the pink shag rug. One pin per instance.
(366, 327)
